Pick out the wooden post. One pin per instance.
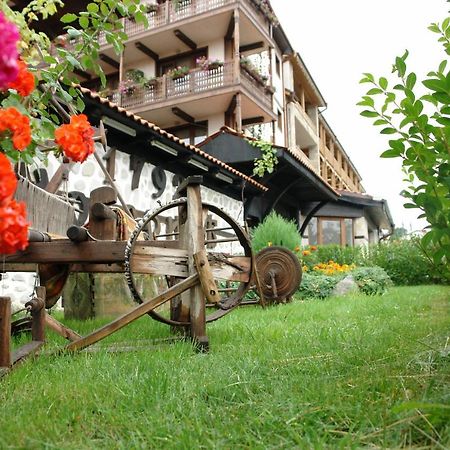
(38, 316)
(5, 332)
(236, 52)
(238, 113)
(191, 307)
(102, 224)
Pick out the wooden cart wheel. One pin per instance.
(280, 273)
(231, 297)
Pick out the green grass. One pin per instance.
(341, 373)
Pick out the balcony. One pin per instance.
(167, 13)
(196, 82)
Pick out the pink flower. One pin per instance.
(9, 56)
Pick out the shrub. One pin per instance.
(403, 261)
(276, 230)
(372, 280)
(317, 286)
(315, 255)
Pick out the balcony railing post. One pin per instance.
(168, 6)
(164, 86)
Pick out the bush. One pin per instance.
(317, 286)
(403, 261)
(275, 230)
(372, 280)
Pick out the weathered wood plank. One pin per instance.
(134, 314)
(206, 277)
(61, 329)
(65, 251)
(5, 332)
(26, 350)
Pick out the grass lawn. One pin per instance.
(347, 372)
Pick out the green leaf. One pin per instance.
(434, 28)
(92, 8)
(388, 130)
(374, 91)
(411, 80)
(390, 154)
(367, 113)
(380, 122)
(84, 22)
(383, 82)
(68, 18)
(400, 66)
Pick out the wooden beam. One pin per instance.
(5, 332)
(108, 60)
(252, 120)
(134, 314)
(185, 39)
(183, 115)
(149, 52)
(61, 329)
(230, 30)
(231, 106)
(253, 46)
(82, 73)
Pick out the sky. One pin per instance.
(339, 40)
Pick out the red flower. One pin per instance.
(19, 126)
(24, 83)
(13, 227)
(75, 138)
(8, 181)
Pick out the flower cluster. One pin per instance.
(18, 125)
(76, 138)
(333, 268)
(13, 224)
(208, 64)
(266, 9)
(24, 82)
(8, 54)
(178, 72)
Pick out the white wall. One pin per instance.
(216, 49)
(215, 123)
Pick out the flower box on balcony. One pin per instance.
(178, 73)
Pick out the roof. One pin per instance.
(139, 120)
(378, 209)
(302, 159)
(292, 171)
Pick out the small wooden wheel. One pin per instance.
(232, 283)
(279, 273)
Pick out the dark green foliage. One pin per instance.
(403, 261)
(317, 286)
(372, 280)
(275, 230)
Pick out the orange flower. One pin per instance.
(19, 126)
(8, 181)
(13, 228)
(24, 83)
(306, 252)
(75, 138)
(297, 249)
(313, 248)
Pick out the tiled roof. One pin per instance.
(153, 127)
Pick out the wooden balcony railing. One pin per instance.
(167, 13)
(197, 81)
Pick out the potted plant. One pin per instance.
(150, 83)
(178, 72)
(135, 75)
(208, 64)
(127, 88)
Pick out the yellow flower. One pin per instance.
(269, 244)
(306, 252)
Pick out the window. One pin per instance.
(280, 120)
(330, 230)
(188, 59)
(277, 66)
